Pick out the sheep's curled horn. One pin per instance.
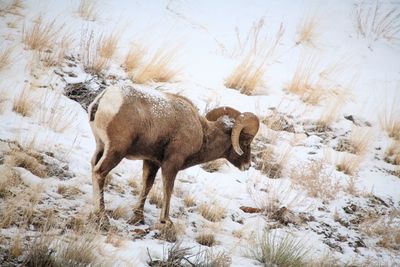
(247, 123)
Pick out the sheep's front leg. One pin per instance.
(169, 172)
(149, 174)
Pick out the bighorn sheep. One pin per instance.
(164, 130)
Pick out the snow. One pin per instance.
(203, 33)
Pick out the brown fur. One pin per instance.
(165, 131)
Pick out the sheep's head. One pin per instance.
(244, 129)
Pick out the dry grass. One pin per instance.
(348, 163)
(156, 196)
(56, 56)
(16, 248)
(273, 250)
(21, 210)
(135, 186)
(133, 58)
(88, 9)
(41, 35)
(256, 52)
(307, 32)
(8, 181)
(271, 163)
(5, 55)
(12, 7)
(377, 21)
(68, 250)
(23, 102)
(331, 112)
(316, 180)
(68, 191)
(390, 119)
(157, 67)
(90, 52)
(56, 113)
(189, 200)
(4, 97)
(121, 212)
(27, 160)
(392, 154)
(108, 44)
(206, 238)
(212, 211)
(314, 82)
(361, 139)
(385, 228)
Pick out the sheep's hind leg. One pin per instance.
(149, 174)
(107, 162)
(169, 172)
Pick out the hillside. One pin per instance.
(323, 77)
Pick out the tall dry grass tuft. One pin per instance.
(307, 32)
(23, 102)
(133, 58)
(377, 21)
(392, 154)
(348, 163)
(271, 162)
(56, 56)
(256, 54)
(273, 250)
(316, 180)
(331, 111)
(157, 68)
(390, 119)
(88, 9)
(55, 113)
(41, 35)
(360, 139)
(314, 83)
(97, 50)
(9, 180)
(213, 212)
(5, 55)
(12, 7)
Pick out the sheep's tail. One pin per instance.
(92, 109)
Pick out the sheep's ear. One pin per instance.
(216, 113)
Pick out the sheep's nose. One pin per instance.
(245, 167)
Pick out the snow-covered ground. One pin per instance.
(351, 218)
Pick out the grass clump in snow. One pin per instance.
(28, 160)
(8, 181)
(179, 256)
(348, 163)
(41, 35)
(87, 9)
(212, 211)
(70, 249)
(156, 196)
(5, 55)
(97, 50)
(316, 180)
(133, 58)
(189, 200)
(23, 102)
(255, 52)
(206, 238)
(272, 163)
(214, 165)
(157, 67)
(307, 32)
(119, 212)
(390, 120)
(68, 191)
(392, 154)
(273, 250)
(377, 21)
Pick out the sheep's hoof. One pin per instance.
(136, 219)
